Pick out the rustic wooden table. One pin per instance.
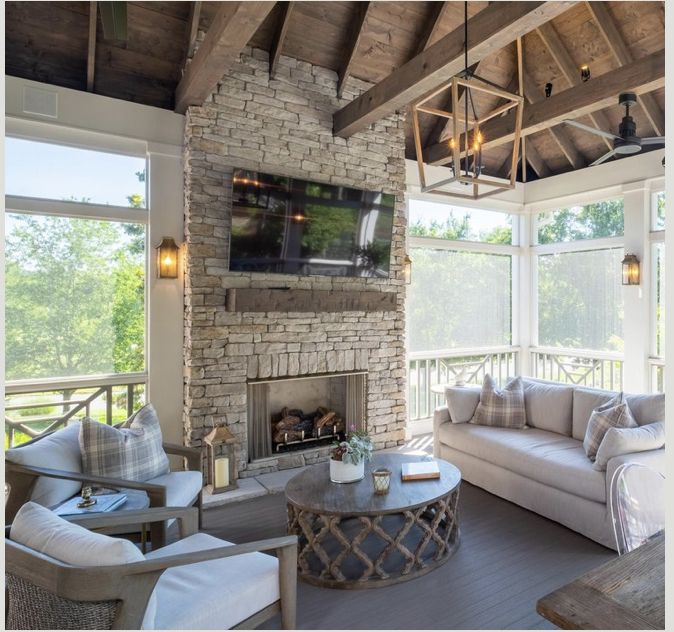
(351, 538)
(627, 593)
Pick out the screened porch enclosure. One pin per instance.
(485, 281)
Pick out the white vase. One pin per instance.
(341, 472)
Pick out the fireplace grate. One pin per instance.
(321, 438)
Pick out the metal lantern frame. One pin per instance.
(464, 130)
(221, 436)
(631, 270)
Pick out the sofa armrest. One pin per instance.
(654, 459)
(440, 416)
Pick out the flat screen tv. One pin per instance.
(290, 226)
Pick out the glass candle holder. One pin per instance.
(382, 481)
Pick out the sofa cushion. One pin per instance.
(619, 441)
(212, 595)
(644, 408)
(548, 406)
(462, 402)
(541, 455)
(42, 530)
(57, 451)
(613, 414)
(501, 407)
(132, 452)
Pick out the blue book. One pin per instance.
(104, 503)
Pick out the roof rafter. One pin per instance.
(491, 29)
(355, 33)
(433, 21)
(571, 72)
(279, 36)
(641, 76)
(91, 45)
(231, 29)
(616, 42)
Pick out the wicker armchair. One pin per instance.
(44, 593)
(21, 480)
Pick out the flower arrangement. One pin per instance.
(355, 449)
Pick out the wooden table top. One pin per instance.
(313, 491)
(627, 593)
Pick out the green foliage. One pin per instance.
(357, 448)
(460, 229)
(592, 221)
(325, 236)
(71, 287)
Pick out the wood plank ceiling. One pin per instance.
(50, 42)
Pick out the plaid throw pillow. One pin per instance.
(613, 414)
(131, 452)
(504, 408)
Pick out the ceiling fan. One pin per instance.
(627, 142)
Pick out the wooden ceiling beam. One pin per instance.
(641, 76)
(279, 36)
(433, 21)
(353, 40)
(489, 31)
(571, 72)
(192, 31)
(232, 27)
(616, 42)
(91, 45)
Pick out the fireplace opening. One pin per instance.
(288, 415)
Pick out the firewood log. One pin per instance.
(325, 419)
(321, 411)
(288, 423)
(284, 412)
(285, 436)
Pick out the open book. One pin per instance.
(107, 502)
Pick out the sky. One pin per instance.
(57, 172)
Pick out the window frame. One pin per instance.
(98, 212)
(655, 236)
(514, 250)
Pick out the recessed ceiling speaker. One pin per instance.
(40, 102)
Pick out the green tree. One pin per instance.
(592, 221)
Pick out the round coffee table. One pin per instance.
(351, 538)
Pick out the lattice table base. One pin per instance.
(365, 551)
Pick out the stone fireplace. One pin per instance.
(246, 331)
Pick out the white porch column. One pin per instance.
(524, 296)
(165, 297)
(636, 298)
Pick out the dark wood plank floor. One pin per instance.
(508, 558)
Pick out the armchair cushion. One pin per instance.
(58, 451)
(181, 487)
(217, 594)
(132, 452)
(42, 530)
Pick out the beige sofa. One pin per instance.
(543, 467)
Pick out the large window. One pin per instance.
(75, 276)
(574, 223)
(657, 237)
(580, 300)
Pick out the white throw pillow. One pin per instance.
(42, 530)
(462, 402)
(57, 451)
(613, 414)
(619, 441)
(133, 452)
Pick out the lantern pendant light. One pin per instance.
(468, 137)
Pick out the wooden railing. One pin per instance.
(34, 407)
(430, 368)
(576, 366)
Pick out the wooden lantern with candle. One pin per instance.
(221, 460)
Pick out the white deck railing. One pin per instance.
(34, 407)
(428, 368)
(657, 374)
(577, 366)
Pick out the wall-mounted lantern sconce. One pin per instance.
(548, 90)
(631, 271)
(584, 72)
(167, 259)
(407, 269)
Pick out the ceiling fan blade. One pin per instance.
(604, 158)
(592, 130)
(653, 140)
